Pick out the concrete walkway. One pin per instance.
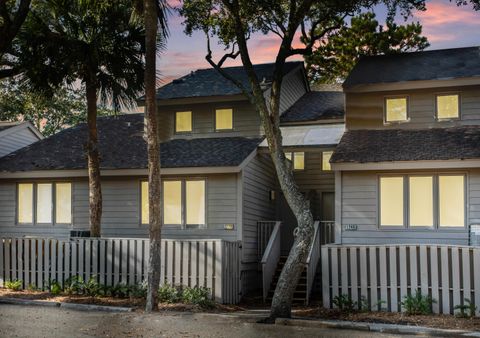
(34, 321)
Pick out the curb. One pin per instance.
(374, 327)
(71, 306)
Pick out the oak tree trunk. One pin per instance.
(153, 148)
(94, 186)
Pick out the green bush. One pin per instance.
(198, 296)
(74, 285)
(466, 310)
(169, 294)
(344, 303)
(417, 304)
(54, 287)
(14, 285)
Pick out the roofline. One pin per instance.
(20, 126)
(407, 165)
(340, 120)
(117, 172)
(408, 85)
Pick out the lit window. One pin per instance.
(183, 121)
(144, 200)
(172, 202)
(391, 201)
(447, 107)
(44, 203)
(298, 159)
(396, 109)
(224, 119)
(195, 202)
(25, 203)
(421, 200)
(451, 201)
(326, 155)
(63, 203)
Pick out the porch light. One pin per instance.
(229, 226)
(272, 195)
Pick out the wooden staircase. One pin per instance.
(300, 294)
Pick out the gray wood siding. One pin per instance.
(360, 207)
(293, 88)
(246, 121)
(121, 210)
(366, 110)
(259, 178)
(16, 140)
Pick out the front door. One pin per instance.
(328, 206)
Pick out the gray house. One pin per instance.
(407, 168)
(218, 179)
(16, 135)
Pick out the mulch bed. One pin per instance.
(138, 303)
(434, 320)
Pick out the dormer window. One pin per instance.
(224, 119)
(396, 109)
(183, 121)
(448, 107)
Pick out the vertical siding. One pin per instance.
(121, 210)
(246, 121)
(293, 88)
(360, 207)
(365, 110)
(16, 140)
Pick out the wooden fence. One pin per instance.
(214, 264)
(449, 274)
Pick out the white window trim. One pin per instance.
(385, 122)
(34, 204)
(443, 119)
(293, 159)
(215, 120)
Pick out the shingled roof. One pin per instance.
(314, 106)
(209, 82)
(426, 65)
(362, 146)
(122, 147)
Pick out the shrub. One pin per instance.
(417, 304)
(54, 287)
(14, 285)
(198, 296)
(139, 290)
(74, 285)
(466, 310)
(344, 303)
(169, 294)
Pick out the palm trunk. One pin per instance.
(95, 189)
(153, 148)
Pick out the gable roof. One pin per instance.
(209, 82)
(8, 125)
(314, 106)
(439, 64)
(364, 146)
(122, 146)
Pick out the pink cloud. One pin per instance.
(442, 13)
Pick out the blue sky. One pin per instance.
(444, 24)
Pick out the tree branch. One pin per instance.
(10, 27)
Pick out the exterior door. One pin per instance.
(328, 206)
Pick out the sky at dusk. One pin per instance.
(444, 24)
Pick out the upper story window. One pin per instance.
(326, 155)
(224, 119)
(448, 106)
(183, 121)
(396, 109)
(298, 159)
(41, 203)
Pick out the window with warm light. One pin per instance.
(297, 158)
(63, 203)
(172, 202)
(224, 119)
(25, 202)
(195, 202)
(421, 201)
(184, 202)
(451, 200)
(183, 121)
(326, 155)
(44, 203)
(396, 109)
(448, 107)
(391, 201)
(144, 202)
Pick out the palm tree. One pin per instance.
(94, 42)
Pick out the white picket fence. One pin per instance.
(214, 264)
(449, 274)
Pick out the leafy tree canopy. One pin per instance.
(339, 52)
(50, 114)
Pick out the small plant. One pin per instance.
(417, 304)
(466, 310)
(198, 296)
(139, 290)
(74, 285)
(14, 285)
(169, 294)
(92, 288)
(32, 287)
(344, 303)
(54, 287)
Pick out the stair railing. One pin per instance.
(270, 259)
(313, 259)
